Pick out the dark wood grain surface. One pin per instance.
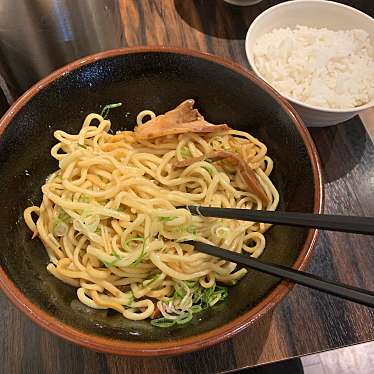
(306, 321)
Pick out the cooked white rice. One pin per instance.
(320, 67)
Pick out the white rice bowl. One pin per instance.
(318, 55)
(321, 67)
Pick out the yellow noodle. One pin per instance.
(110, 223)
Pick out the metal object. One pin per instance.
(38, 36)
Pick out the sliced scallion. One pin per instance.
(142, 253)
(163, 322)
(84, 199)
(191, 229)
(209, 169)
(148, 282)
(64, 217)
(167, 219)
(196, 308)
(185, 152)
(109, 264)
(60, 228)
(184, 320)
(104, 113)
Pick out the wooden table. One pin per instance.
(306, 321)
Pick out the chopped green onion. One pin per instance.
(208, 169)
(214, 294)
(196, 308)
(104, 113)
(163, 322)
(60, 228)
(223, 290)
(64, 217)
(190, 284)
(184, 320)
(132, 298)
(167, 219)
(197, 296)
(191, 229)
(202, 299)
(179, 292)
(148, 282)
(142, 253)
(129, 240)
(185, 152)
(86, 213)
(141, 256)
(87, 223)
(84, 199)
(207, 294)
(109, 264)
(116, 255)
(82, 146)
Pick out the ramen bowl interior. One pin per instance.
(156, 80)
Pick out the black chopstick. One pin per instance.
(344, 291)
(352, 224)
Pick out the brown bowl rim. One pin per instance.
(205, 339)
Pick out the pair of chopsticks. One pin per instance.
(358, 225)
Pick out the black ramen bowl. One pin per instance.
(156, 79)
